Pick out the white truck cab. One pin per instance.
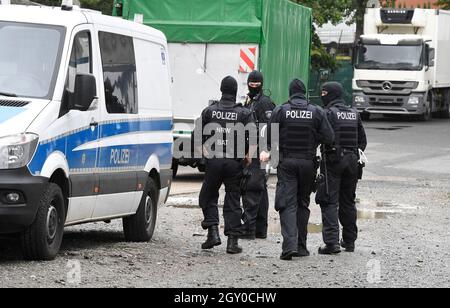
(86, 125)
(402, 64)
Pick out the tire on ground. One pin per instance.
(42, 240)
(141, 226)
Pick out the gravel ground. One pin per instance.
(407, 237)
(404, 239)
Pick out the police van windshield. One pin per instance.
(29, 58)
(390, 57)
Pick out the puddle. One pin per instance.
(392, 128)
(386, 128)
(387, 204)
(370, 214)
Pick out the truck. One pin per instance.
(209, 40)
(402, 63)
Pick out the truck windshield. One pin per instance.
(390, 57)
(29, 59)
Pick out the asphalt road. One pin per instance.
(404, 240)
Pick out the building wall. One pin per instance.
(415, 3)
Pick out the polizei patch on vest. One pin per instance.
(228, 116)
(299, 114)
(346, 116)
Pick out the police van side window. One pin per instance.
(119, 73)
(80, 63)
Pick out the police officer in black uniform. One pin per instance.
(337, 194)
(303, 127)
(256, 199)
(224, 166)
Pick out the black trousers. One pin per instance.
(295, 183)
(256, 201)
(338, 205)
(218, 172)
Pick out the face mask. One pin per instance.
(326, 99)
(254, 91)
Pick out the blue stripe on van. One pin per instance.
(86, 159)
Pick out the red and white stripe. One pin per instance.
(248, 60)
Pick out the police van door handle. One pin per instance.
(94, 124)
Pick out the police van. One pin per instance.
(86, 125)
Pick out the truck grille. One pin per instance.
(387, 87)
(13, 103)
(393, 101)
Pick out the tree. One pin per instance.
(324, 11)
(444, 4)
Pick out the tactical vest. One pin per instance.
(297, 132)
(227, 139)
(346, 127)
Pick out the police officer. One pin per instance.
(303, 127)
(256, 199)
(224, 166)
(337, 194)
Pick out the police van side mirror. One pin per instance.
(85, 92)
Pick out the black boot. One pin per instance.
(349, 247)
(301, 252)
(287, 256)
(248, 235)
(233, 245)
(330, 250)
(213, 238)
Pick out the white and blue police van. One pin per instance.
(86, 125)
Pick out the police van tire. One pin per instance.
(174, 168)
(141, 226)
(42, 240)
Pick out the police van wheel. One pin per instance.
(175, 168)
(140, 227)
(42, 240)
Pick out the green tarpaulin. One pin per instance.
(285, 45)
(280, 27)
(200, 21)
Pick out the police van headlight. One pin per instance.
(16, 151)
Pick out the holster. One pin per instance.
(361, 167)
(315, 185)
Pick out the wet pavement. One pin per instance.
(404, 214)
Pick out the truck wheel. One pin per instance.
(175, 168)
(445, 114)
(140, 227)
(42, 240)
(428, 114)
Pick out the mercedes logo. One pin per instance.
(387, 86)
